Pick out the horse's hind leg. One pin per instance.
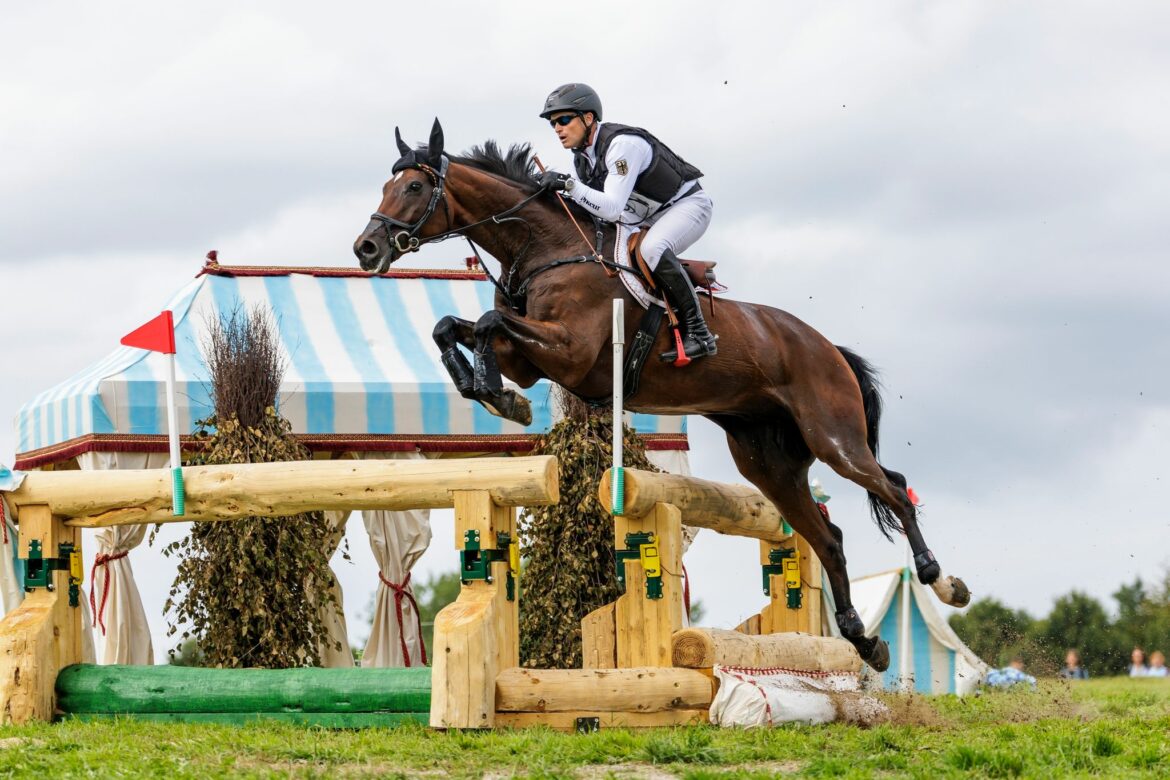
(772, 456)
(843, 447)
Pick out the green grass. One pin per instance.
(1101, 728)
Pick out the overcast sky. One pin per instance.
(970, 194)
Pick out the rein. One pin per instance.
(406, 239)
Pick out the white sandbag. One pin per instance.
(769, 697)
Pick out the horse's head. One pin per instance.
(406, 216)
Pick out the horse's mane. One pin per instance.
(516, 165)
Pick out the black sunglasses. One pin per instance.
(563, 121)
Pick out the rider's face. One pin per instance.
(572, 134)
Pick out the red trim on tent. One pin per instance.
(212, 268)
(333, 443)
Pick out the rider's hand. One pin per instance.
(551, 180)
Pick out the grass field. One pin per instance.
(1100, 728)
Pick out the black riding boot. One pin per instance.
(676, 285)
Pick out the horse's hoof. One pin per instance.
(877, 655)
(952, 591)
(511, 406)
(928, 574)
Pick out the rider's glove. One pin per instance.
(551, 180)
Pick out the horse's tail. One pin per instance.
(871, 398)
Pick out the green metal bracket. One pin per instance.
(784, 562)
(38, 570)
(643, 547)
(476, 561)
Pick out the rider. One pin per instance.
(627, 176)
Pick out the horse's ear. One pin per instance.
(403, 149)
(435, 147)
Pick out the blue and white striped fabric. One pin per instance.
(360, 360)
(923, 647)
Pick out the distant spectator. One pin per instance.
(1072, 667)
(1011, 675)
(1157, 665)
(1137, 663)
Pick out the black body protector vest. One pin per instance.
(654, 187)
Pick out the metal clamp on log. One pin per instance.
(644, 547)
(784, 562)
(476, 561)
(38, 570)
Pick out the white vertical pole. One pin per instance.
(906, 655)
(619, 343)
(177, 494)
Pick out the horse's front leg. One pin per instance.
(449, 333)
(543, 348)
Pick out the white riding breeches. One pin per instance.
(677, 227)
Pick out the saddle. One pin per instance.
(701, 272)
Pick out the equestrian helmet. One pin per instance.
(572, 97)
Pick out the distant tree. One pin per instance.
(1078, 620)
(1143, 618)
(995, 632)
(698, 610)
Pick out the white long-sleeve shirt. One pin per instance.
(626, 159)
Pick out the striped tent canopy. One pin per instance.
(362, 371)
(925, 652)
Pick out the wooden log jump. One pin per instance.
(43, 636)
(635, 649)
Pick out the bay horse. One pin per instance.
(784, 395)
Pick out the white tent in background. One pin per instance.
(926, 655)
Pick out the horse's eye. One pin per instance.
(415, 186)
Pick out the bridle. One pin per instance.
(406, 239)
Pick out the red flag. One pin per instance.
(158, 335)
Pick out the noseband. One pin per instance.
(406, 239)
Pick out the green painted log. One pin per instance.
(86, 688)
(327, 720)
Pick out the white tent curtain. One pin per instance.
(398, 540)
(334, 651)
(120, 618)
(10, 588)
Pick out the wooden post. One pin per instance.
(776, 617)
(43, 635)
(645, 626)
(477, 636)
(599, 639)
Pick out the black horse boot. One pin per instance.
(679, 291)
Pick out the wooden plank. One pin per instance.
(464, 657)
(644, 626)
(127, 497)
(739, 510)
(42, 635)
(478, 635)
(567, 721)
(645, 689)
(705, 647)
(599, 639)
